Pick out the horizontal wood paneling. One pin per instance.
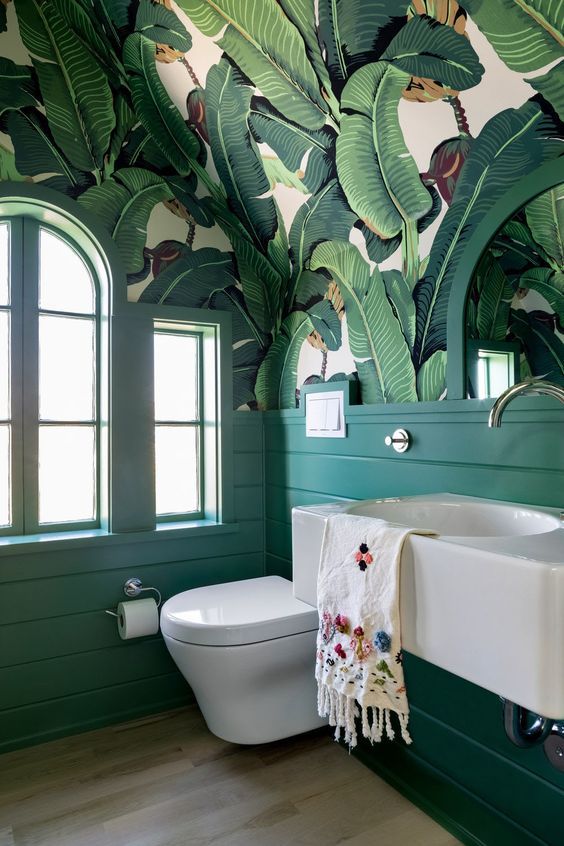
(459, 741)
(28, 724)
(63, 666)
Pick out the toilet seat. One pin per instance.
(237, 613)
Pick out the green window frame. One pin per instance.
(25, 422)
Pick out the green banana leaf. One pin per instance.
(140, 150)
(74, 86)
(375, 336)
(125, 121)
(512, 143)
(310, 154)
(278, 374)
(269, 50)
(325, 320)
(311, 287)
(17, 86)
(191, 279)
(303, 15)
(8, 169)
(517, 247)
(543, 348)
(155, 109)
(116, 19)
(261, 283)
(249, 344)
(278, 251)
(376, 170)
(325, 216)
(495, 300)
(551, 86)
(278, 174)
(236, 155)
(545, 217)
(184, 189)
(431, 378)
(426, 48)
(400, 296)
(80, 17)
(123, 205)
(37, 155)
(549, 284)
(526, 34)
(380, 249)
(162, 26)
(354, 32)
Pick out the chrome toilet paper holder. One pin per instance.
(133, 587)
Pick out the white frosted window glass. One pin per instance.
(176, 377)
(5, 505)
(177, 472)
(67, 472)
(4, 365)
(65, 283)
(4, 264)
(66, 368)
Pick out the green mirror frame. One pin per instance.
(541, 179)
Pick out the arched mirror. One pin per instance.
(506, 308)
(515, 305)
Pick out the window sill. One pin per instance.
(52, 541)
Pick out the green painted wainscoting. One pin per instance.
(63, 667)
(461, 768)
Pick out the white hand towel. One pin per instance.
(358, 667)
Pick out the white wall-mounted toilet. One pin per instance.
(247, 648)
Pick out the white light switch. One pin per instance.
(325, 415)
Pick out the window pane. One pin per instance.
(176, 377)
(66, 368)
(67, 472)
(5, 477)
(4, 365)
(177, 471)
(4, 264)
(65, 283)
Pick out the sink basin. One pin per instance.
(459, 518)
(483, 600)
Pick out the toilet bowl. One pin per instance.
(247, 650)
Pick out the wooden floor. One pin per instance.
(166, 781)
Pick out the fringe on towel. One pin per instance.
(343, 710)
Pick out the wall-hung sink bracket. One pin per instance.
(519, 728)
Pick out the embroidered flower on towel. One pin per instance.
(363, 557)
(342, 623)
(382, 641)
(362, 647)
(340, 651)
(326, 627)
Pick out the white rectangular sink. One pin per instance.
(483, 600)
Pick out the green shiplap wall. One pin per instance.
(63, 667)
(461, 767)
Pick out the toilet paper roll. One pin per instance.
(137, 618)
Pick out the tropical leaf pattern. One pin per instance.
(304, 199)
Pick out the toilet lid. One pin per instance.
(247, 611)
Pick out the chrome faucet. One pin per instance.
(526, 388)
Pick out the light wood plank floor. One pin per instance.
(166, 781)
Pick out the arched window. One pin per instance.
(50, 379)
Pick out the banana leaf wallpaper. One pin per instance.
(314, 167)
